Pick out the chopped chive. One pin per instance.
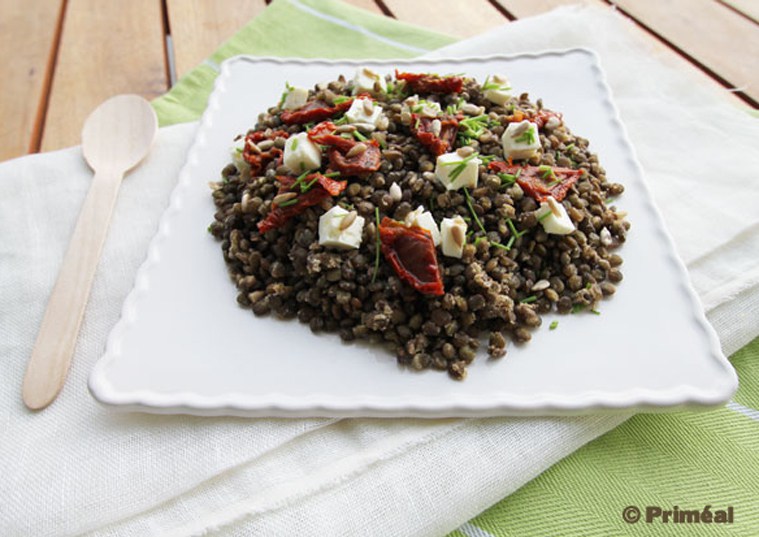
(376, 245)
(342, 121)
(509, 244)
(360, 137)
(294, 145)
(501, 246)
(507, 179)
(332, 175)
(478, 239)
(527, 137)
(340, 99)
(577, 308)
(529, 300)
(553, 325)
(595, 312)
(546, 171)
(588, 285)
(544, 215)
(345, 205)
(471, 209)
(569, 147)
(307, 187)
(288, 202)
(610, 200)
(299, 179)
(513, 229)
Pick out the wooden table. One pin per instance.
(60, 58)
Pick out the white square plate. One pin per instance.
(184, 346)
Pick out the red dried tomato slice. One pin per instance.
(411, 252)
(540, 182)
(364, 162)
(428, 83)
(324, 134)
(316, 110)
(322, 188)
(421, 127)
(259, 160)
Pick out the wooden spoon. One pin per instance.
(115, 138)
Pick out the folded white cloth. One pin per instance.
(78, 468)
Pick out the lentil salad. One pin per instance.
(426, 212)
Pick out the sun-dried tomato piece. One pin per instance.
(367, 161)
(411, 252)
(429, 83)
(316, 110)
(540, 182)
(437, 144)
(318, 187)
(324, 134)
(256, 158)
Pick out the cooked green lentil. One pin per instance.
(511, 271)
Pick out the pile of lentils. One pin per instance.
(492, 294)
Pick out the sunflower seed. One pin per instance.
(356, 150)
(347, 220)
(368, 107)
(541, 285)
(436, 127)
(266, 145)
(465, 151)
(282, 198)
(458, 236)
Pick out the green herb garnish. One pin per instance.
(595, 312)
(529, 300)
(460, 165)
(294, 145)
(288, 202)
(507, 179)
(471, 209)
(527, 137)
(487, 85)
(332, 175)
(341, 99)
(360, 137)
(544, 215)
(501, 246)
(553, 325)
(300, 179)
(513, 229)
(577, 308)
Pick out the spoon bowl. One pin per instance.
(116, 137)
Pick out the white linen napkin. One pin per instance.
(78, 468)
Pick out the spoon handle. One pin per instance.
(54, 347)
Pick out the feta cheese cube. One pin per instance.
(554, 217)
(364, 113)
(340, 229)
(236, 151)
(424, 219)
(423, 107)
(365, 80)
(497, 89)
(520, 140)
(453, 236)
(456, 170)
(301, 154)
(295, 98)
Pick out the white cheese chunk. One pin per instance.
(423, 107)
(520, 140)
(553, 122)
(455, 171)
(365, 80)
(554, 217)
(424, 219)
(365, 113)
(334, 233)
(236, 151)
(301, 154)
(295, 98)
(453, 236)
(498, 89)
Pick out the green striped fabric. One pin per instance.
(688, 460)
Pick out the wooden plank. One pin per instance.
(528, 8)
(106, 48)
(28, 33)
(713, 35)
(451, 17)
(369, 5)
(749, 8)
(198, 27)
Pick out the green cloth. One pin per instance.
(689, 460)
